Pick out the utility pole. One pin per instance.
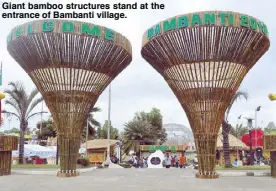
(249, 124)
(86, 136)
(9, 119)
(108, 160)
(238, 123)
(41, 122)
(256, 124)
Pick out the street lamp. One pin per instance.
(9, 119)
(108, 160)
(249, 124)
(238, 123)
(86, 134)
(256, 124)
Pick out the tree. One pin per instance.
(92, 123)
(155, 119)
(23, 105)
(226, 127)
(48, 129)
(271, 127)
(101, 133)
(12, 131)
(145, 128)
(239, 131)
(137, 132)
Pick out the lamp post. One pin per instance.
(108, 160)
(256, 124)
(86, 134)
(41, 117)
(249, 124)
(238, 123)
(9, 119)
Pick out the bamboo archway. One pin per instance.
(204, 57)
(71, 63)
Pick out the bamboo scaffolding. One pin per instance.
(71, 63)
(7, 145)
(204, 64)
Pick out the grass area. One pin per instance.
(244, 168)
(34, 166)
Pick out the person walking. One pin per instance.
(176, 161)
(182, 161)
(168, 161)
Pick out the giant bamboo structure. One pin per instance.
(71, 63)
(270, 146)
(7, 145)
(204, 57)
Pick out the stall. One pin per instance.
(236, 147)
(97, 149)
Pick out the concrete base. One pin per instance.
(207, 176)
(5, 173)
(68, 174)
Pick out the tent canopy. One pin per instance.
(36, 150)
(234, 143)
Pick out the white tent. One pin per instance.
(36, 150)
(81, 150)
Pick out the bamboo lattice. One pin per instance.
(270, 146)
(204, 64)
(7, 145)
(71, 63)
(269, 143)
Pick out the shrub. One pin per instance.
(83, 162)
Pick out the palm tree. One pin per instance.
(226, 127)
(155, 119)
(92, 122)
(137, 132)
(239, 131)
(22, 104)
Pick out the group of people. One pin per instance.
(139, 162)
(170, 161)
(174, 161)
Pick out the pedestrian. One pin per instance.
(168, 161)
(176, 161)
(182, 161)
(135, 162)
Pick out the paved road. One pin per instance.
(134, 180)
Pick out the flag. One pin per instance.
(1, 75)
(258, 108)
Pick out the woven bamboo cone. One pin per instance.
(204, 66)
(270, 146)
(7, 145)
(71, 69)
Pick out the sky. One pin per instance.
(139, 87)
